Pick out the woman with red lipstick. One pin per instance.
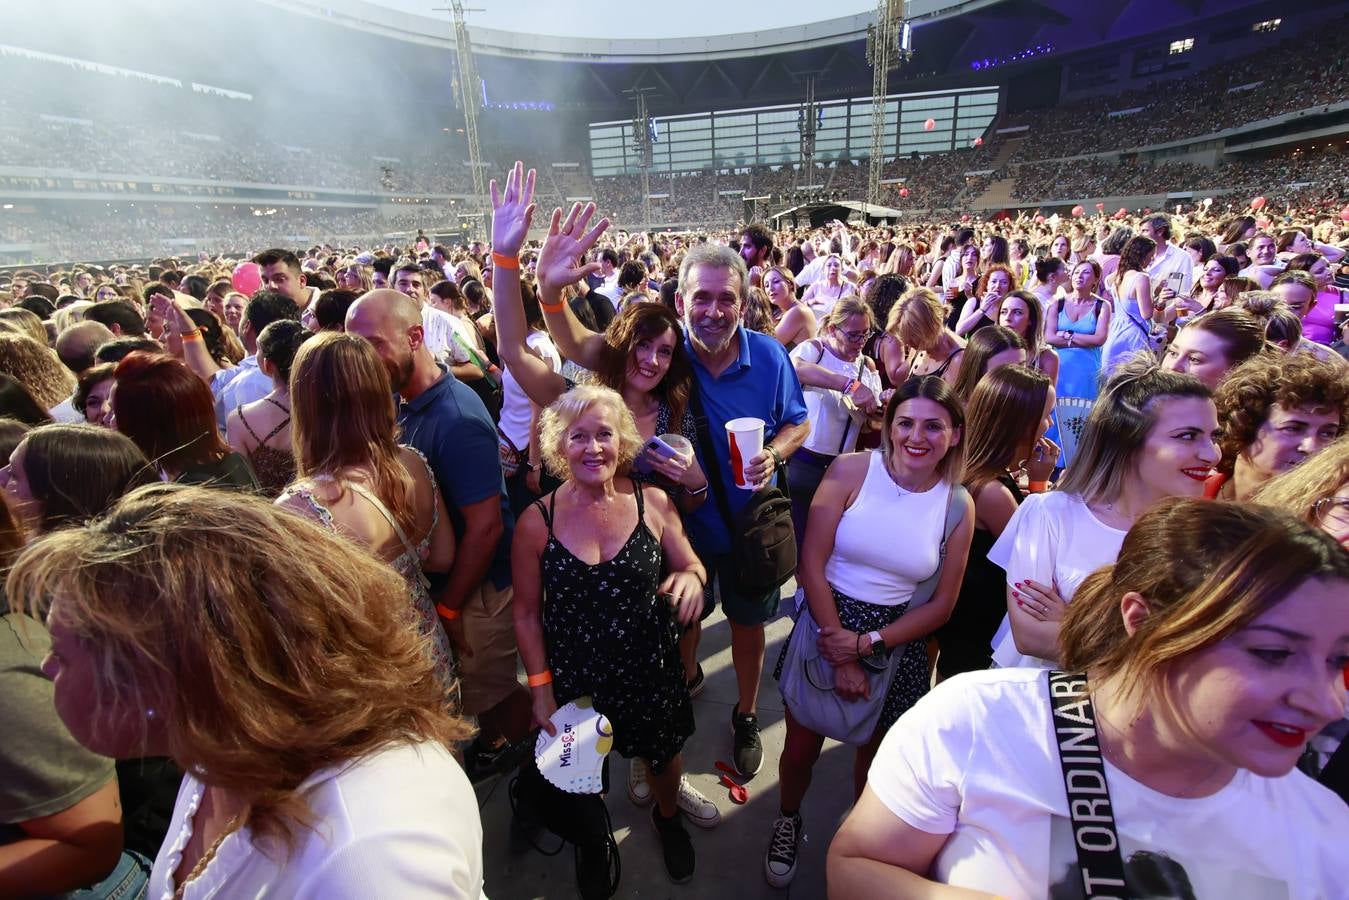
(1276, 410)
(862, 593)
(1150, 436)
(1204, 657)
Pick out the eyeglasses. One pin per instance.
(1332, 511)
(854, 337)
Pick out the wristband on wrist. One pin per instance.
(502, 261)
(447, 613)
(777, 457)
(193, 335)
(1037, 487)
(852, 387)
(542, 678)
(551, 307)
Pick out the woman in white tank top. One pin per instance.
(875, 533)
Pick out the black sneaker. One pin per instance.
(779, 865)
(597, 870)
(481, 763)
(675, 845)
(696, 685)
(748, 755)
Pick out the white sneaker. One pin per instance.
(697, 808)
(639, 789)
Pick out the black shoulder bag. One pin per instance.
(763, 542)
(1089, 808)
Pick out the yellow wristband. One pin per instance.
(539, 680)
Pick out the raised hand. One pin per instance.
(568, 241)
(512, 210)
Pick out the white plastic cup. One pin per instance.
(745, 436)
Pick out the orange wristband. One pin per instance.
(190, 335)
(502, 261)
(1037, 487)
(539, 680)
(551, 307)
(446, 612)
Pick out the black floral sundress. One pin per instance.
(610, 636)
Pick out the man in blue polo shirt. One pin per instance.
(444, 419)
(738, 373)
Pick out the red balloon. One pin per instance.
(1100, 207)
(903, 192)
(1344, 214)
(929, 124)
(247, 278)
(1078, 210)
(1258, 203)
(978, 142)
(965, 218)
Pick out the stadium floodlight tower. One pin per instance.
(469, 93)
(889, 46)
(809, 118)
(643, 137)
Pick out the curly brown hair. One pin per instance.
(1291, 380)
(303, 657)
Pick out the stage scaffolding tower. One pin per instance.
(808, 121)
(470, 89)
(889, 45)
(643, 136)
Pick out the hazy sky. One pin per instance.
(627, 19)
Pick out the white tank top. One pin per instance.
(889, 540)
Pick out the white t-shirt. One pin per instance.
(1170, 258)
(975, 759)
(402, 822)
(65, 412)
(515, 408)
(828, 416)
(438, 331)
(1054, 539)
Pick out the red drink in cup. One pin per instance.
(745, 436)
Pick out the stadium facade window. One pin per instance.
(1184, 45)
(1268, 26)
(740, 138)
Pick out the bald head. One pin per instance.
(384, 307)
(76, 345)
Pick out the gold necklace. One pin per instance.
(206, 857)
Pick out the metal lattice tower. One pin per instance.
(885, 54)
(641, 140)
(469, 89)
(807, 125)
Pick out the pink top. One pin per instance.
(1319, 325)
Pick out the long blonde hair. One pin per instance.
(269, 647)
(343, 418)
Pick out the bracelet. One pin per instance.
(1037, 487)
(193, 335)
(852, 386)
(551, 307)
(777, 457)
(447, 613)
(539, 680)
(502, 261)
(698, 493)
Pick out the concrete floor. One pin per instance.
(730, 856)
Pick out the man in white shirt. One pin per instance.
(1168, 258)
(814, 267)
(246, 382)
(608, 260)
(439, 328)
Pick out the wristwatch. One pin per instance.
(877, 643)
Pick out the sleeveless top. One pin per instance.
(407, 564)
(611, 636)
(885, 516)
(274, 466)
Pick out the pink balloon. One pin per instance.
(978, 142)
(1100, 207)
(1258, 203)
(929, 124)
(965, 218)
(1078, 210)
(1039, 220)
(1344, 214)
(1121, 213)
(903, 192)
(247, 278)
